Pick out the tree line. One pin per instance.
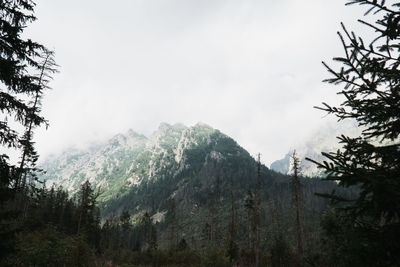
(48, 227)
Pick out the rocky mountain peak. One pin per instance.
(136, 135)
(129, 159)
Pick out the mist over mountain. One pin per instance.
(323, 140)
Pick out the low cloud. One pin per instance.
(249, 68)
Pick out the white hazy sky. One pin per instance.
(251, 69)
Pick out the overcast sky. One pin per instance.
(251, 69)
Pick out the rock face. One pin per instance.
(129, 160)
(99, 164)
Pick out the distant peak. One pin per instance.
(135, 134)
(179, 126)
(164, 126)
(118, 136)
(202, 124)
(130, 131)
(166, 129)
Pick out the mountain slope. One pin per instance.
(105, 165)
(127, 161)
(190, 177)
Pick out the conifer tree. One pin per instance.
(173, 222)
(124, 221)
(253, 207)
(88, 213)
(215, 213)
(47, 67)
(21, 88)
(251, 226)
(150, 232)
(257, 211)
(233, 248)
(206, 236)
(370, 77)
(297, 197)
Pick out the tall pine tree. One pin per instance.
(370, 77)
(23, 76)
(20, 87)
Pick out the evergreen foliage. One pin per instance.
(298, 203)
(25, 69)
(371, 162)
(205, 224)
(48, 236)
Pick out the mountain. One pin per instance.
(189, 177)
(323, 140)
(128, 160)
(104, 165)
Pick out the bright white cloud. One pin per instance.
(249, 68)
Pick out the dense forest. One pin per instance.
(221, 207)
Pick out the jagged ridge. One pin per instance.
(128, 160)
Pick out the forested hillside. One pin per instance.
(196, 176)
(191, 195)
